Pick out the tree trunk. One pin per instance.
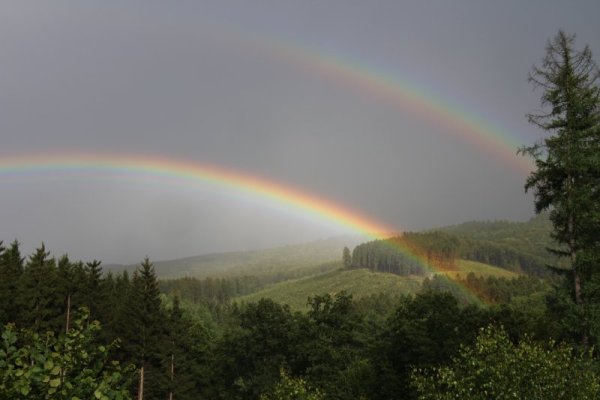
(576, 280)
(172, 376)
(141, 388)
(68, 324)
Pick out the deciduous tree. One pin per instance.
(495, 368)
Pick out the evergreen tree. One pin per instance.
(11, 269)
(42, 306)
(94, 294)
(116, 311)
(145, 336)
(566, 180)
(72, 287)
(180, 367)
(249, 354)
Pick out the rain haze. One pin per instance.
(292, 92)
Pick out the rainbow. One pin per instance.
(401, 93)
(190, 173)
(181, 172)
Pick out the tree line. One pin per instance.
(410, 254)
(340, 349)
(414, 253)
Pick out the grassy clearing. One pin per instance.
(358, 282)
(465, 267)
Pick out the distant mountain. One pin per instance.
(275, 264)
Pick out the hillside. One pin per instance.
(519, 242)
(360, 283)
(275, 264)
(465, 267)
(520, 246)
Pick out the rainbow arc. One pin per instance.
(181, 172)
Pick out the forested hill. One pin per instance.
(511, 245)
(536, 230)
(516, 246)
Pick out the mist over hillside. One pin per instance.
(297, 259)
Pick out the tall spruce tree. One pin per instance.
(93, 291)
(42, 306)
(566, 180)
(146, 336)
(11, 268)
(180, 365)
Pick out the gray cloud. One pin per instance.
(183, 80)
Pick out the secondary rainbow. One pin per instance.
(400, 92)
(191, 173)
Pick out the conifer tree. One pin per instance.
(94, 294)
(179, 365)
(146, 333)
(68, 285)
(11, 269)
(117, 310)
(41, 304)
(566, 180)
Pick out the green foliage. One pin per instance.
(333, 346)
(289, 388)
(185, 348)
(495, 368)
(251, 351)
(425, 330)
(72, 366)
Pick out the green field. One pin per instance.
(465, 267)
(360, 283)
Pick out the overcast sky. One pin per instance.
(208, 82)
